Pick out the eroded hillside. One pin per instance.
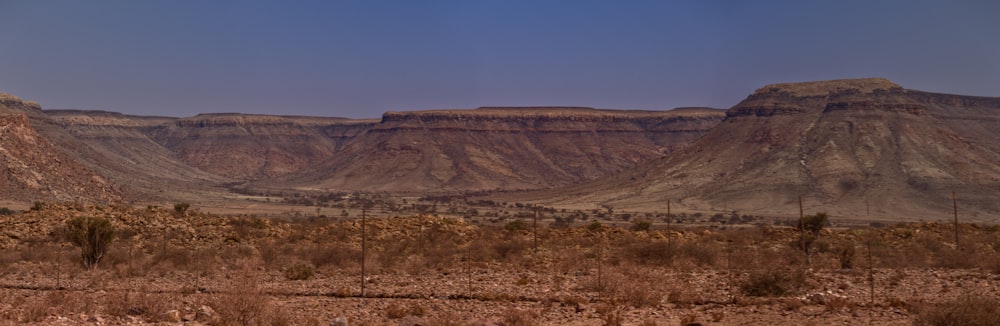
(33, 168)
(501, 148)
(852, 147)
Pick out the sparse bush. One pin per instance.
(181, 209)
(518, 317)
(651, 252)
(769, 283)
(143, 302)
(846, 256)
(516, 225)
(595, 226)
(814, 223)
(968, 310)
(92, 235)
(243, 302)
(7, 211)
(299, 272)
(641, 225)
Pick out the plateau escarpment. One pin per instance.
(501, 148)
(249, 147)
(121, 148)
(850, 147)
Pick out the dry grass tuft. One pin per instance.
(773, 283)
(968, 310)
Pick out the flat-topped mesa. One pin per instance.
(9, 103)
(239, 119)
(518, 113)
(816, 97)
(77, 118)
(857, 86)
(555, 119)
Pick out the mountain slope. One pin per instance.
(36, 170)
(118, 146)
(249, 147)
(500, 148)
(845, 146)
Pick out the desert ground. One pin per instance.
(179, 265)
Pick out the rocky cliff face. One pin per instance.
(501, 148)
(848, 147)
(35, 170)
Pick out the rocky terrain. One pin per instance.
(853, 148)
(183, 266)
(34, 168)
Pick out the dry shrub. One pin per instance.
(272, 254)
(278, 316)
(299, 272)
(36, 312)
(519, 317)
(955, 258)
(39, 252)
(336, 255)
(703, 253)
(241, 301)
(640, 294)
(396, 311)
(968, 310)
(656, 252)
(773, 283)
(611, 314)
(143, 302)
(447, 319)
(630, 285)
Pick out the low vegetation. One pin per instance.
(236, 268)
(92, 235)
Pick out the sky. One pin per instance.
(358, 59)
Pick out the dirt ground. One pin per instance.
(170, 268)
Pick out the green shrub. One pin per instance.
(181, 208)
(516, 225)
(814, 223)
(641, 225)
(92, 235)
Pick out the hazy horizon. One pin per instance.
(358, 59)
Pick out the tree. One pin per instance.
(180, 209)
(814, 223)
(92, 235)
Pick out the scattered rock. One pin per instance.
(173, 316)
(205, 313)
(412, 321)
(484, 322)
(339, 321)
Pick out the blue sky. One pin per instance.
(361, 58)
